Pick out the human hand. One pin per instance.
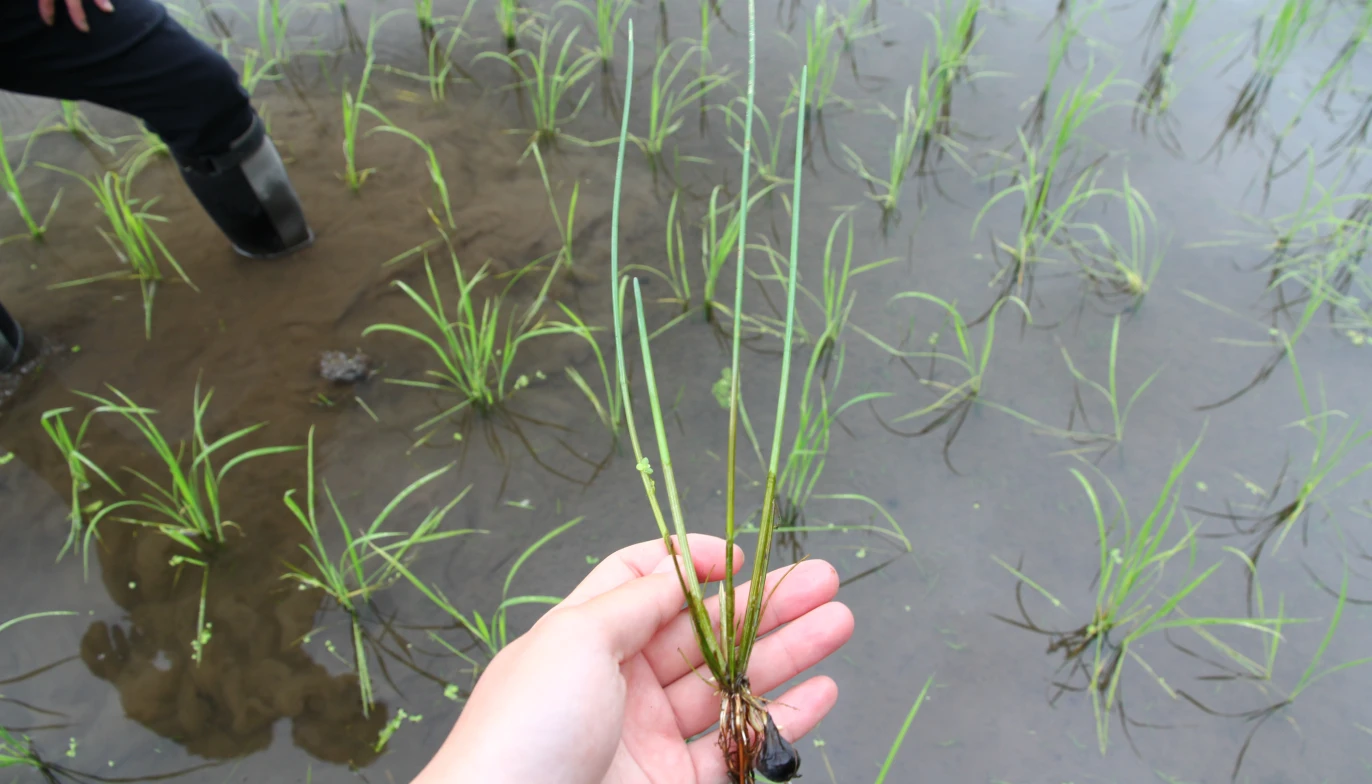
(603, 688)
(47, 9)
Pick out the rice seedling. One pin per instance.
(1114, 270)
(1072, 17)
(549, 80)
(1095, 439)
(492, 633)
(273, 22)
(955, 401)
(667, 102)
(717, 244)
(1336, 436)
(900, 736)
(371, 559)
(768, 164)
(913, 122)
(431, 164)
(507, 16)
(954, 39)
(859, 22)
(1160, 88)
(475, 357)
(79, 466)
(9, 180)
(744, 723)
(255, 69)
(1131, 601)
(835, 301)
(424, 14)
(676, 277)
(821, 60)
(354, 106)
(611, 412)
(566, 229)
(606, 17)
(1272, 52)
(74, 122)
(130, 235)
(1033, 181)
(439, 62)
(186, 503)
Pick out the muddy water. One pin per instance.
(271, 701)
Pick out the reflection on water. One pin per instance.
(256, 332)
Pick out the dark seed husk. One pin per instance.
(778, 760)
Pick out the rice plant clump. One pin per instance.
(9, 180)
(371, 559)
(550, 78)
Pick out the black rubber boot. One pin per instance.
(248, 194)
(11, 340)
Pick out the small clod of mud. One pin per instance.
(340, 367)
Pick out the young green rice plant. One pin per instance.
(719, 243)
(913, 122)
(1033, 182)
(9, 180)
(606, 16)
(185, 503)
(476, 356)
(955, 400)
(1117, 271)
(1132, 601)
(669, 102)
(745, 728)
(431, 164)
(354, 106)
(768, 164)
(372, 558)
(676, 276)
(859, 22)
(886, 766)
(272, 27)
(550, 80)
(1273, 51)
(130, 235)
(1092, 438)
(508, 16)
(492, 633)
(424, 14)
(1073, 17)
(439, 62)
(1155, 96)
(822, 53)
(566, 229)
(80, 467)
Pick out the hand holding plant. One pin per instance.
(603, 689)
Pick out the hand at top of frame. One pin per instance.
(602, 688)
(48, 10)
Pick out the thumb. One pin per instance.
(631, 615)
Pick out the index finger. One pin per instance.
(78, 15)
(638, 560)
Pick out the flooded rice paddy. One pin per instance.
(1257, 223)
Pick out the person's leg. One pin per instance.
(11, 340)
(141, 61)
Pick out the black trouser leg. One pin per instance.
(11, 340)
(140, 61)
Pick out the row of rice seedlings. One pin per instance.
(1033, 182)
(492, 633)
(955, 400)
(1117, 270)
(747, 734)
(566, 229)
(1095, 439)
(130, 235)
(476, 356)
(606, 17)
(79, 467)
(549, 80)
(1272, 52)
(371, 558)
(822, 54)
(431, 164)
(9, 180)
(1160, 88)
(668, 102)
(1130, 598)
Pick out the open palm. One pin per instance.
(604, 687)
